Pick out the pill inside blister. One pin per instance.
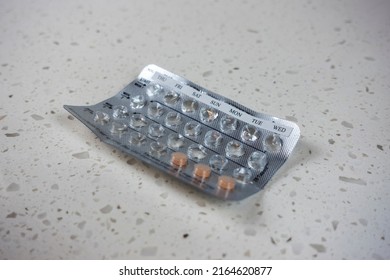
(202, 171)
(204, 139)
(226, 183)
(179, 159)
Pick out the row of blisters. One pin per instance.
(227, 124)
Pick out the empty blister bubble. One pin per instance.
(156, 130)
(242, 175)
(119, 112)
(272, 143)
(257, 161)
(208, 114)
(164, 120)
(173, 119)
(234, 149)
(228, 124)
(137, 139)
(192, 129)
(218, 163)
(197, 152)
(175, 141)
(117, 128)
(213, 139)
(155, 110)
(138, 121)
(171, 98)
(189, 106)
(154, 89)
(137, 101)
(250, 133)
(101, 118)
(157, 149)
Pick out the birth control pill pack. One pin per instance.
(202, 138)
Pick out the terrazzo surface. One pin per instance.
(324, 65)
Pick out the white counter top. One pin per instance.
(325, 66)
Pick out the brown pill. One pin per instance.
(202, 171)
(226, 182)
(179, 159)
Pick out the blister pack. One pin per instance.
(202, 138)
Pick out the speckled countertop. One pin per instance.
(325, 66)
